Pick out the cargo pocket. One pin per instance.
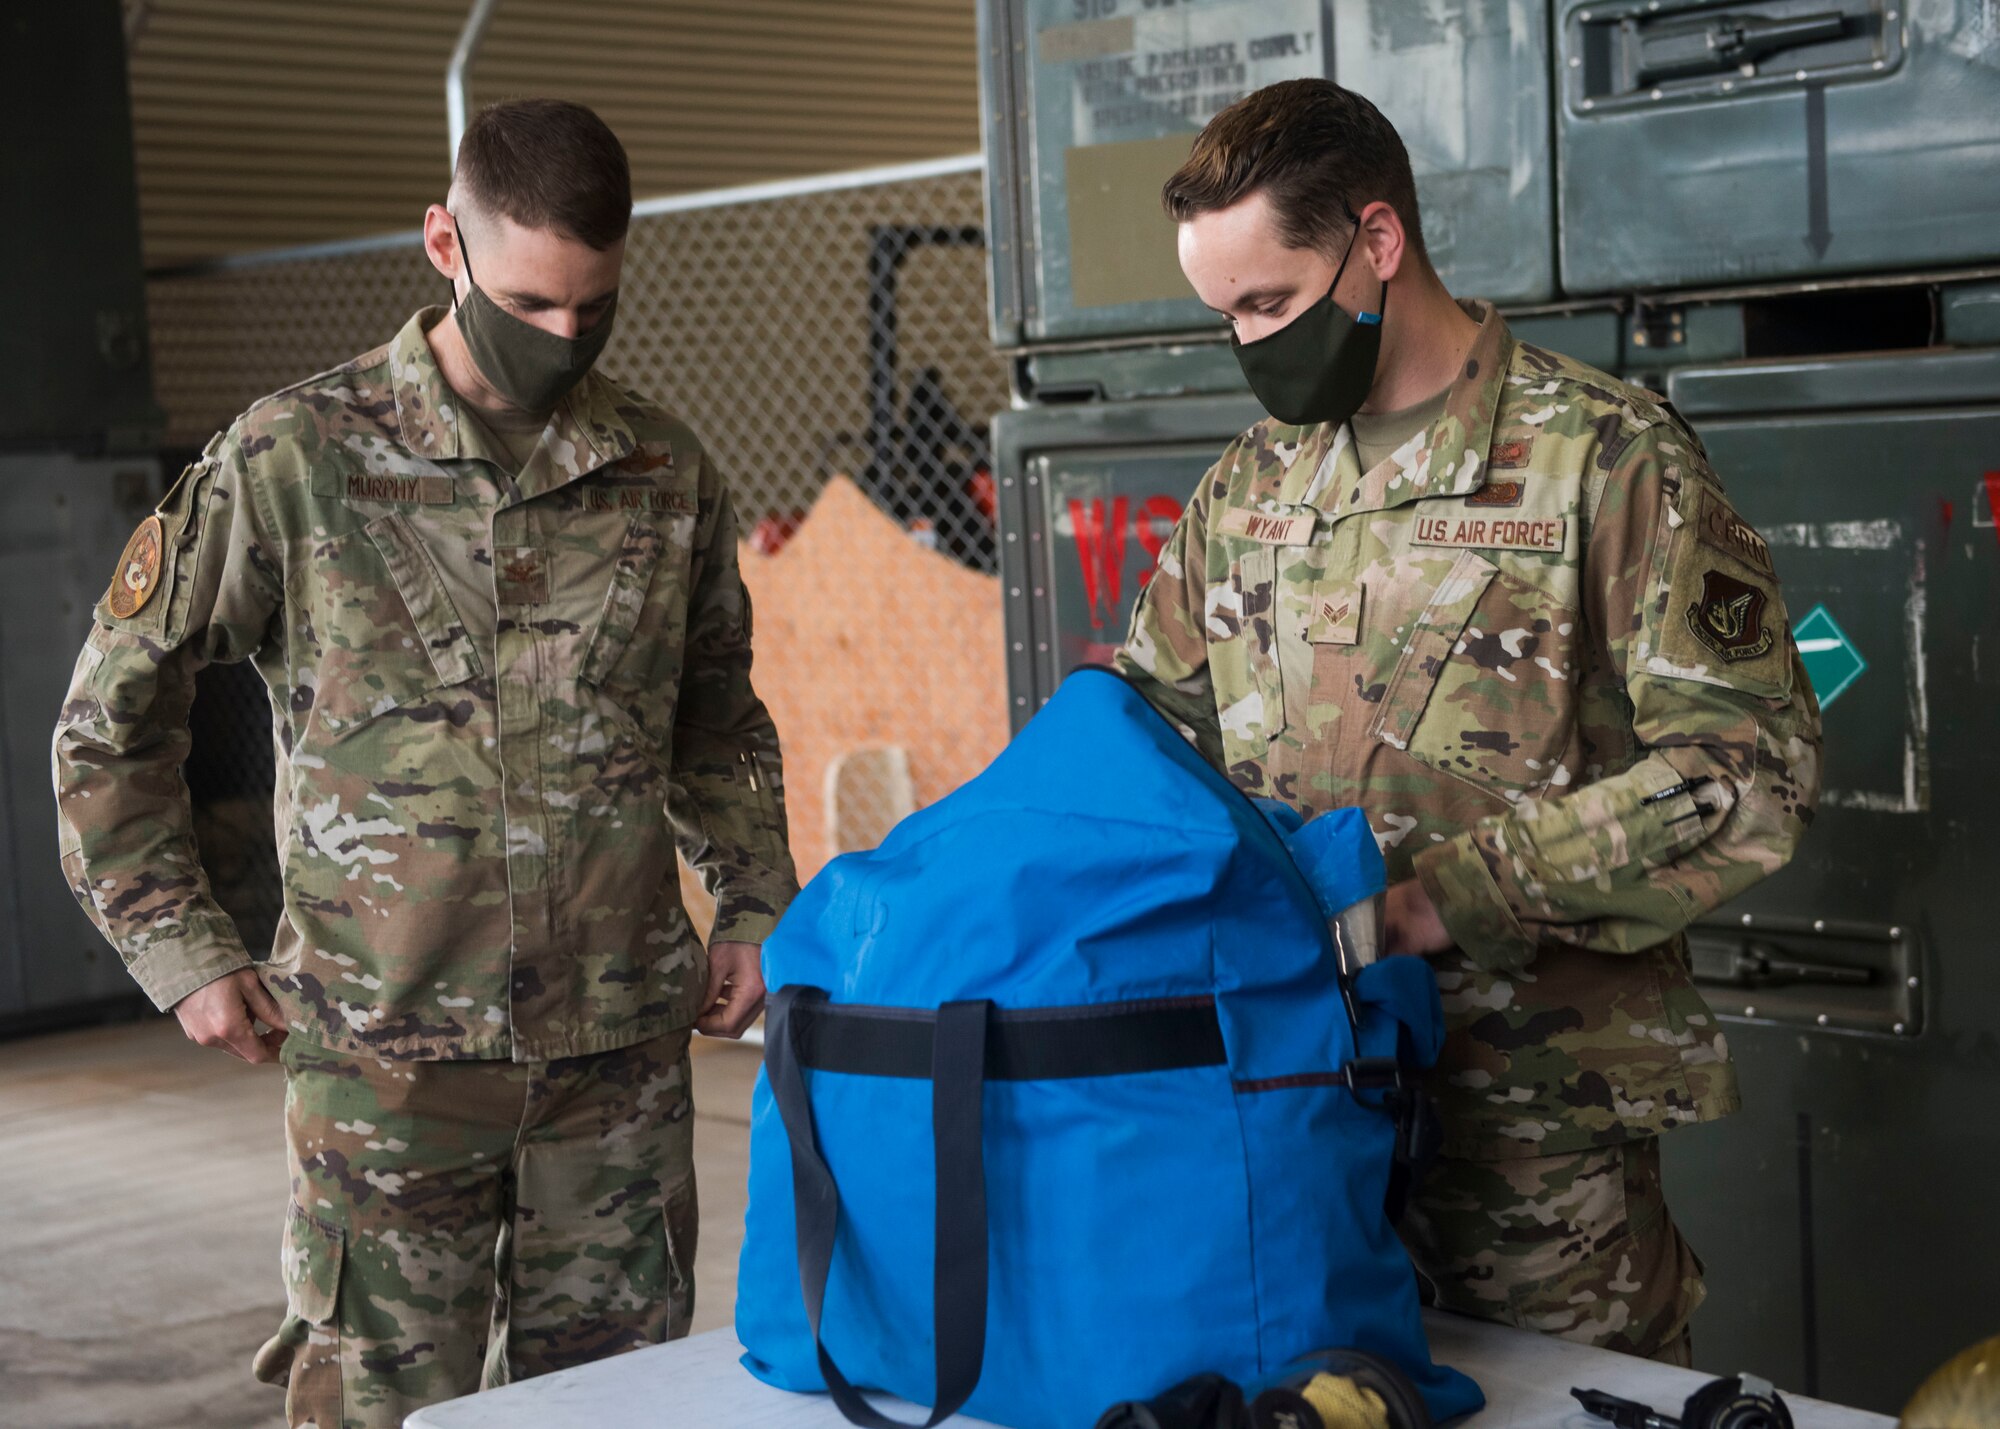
(1633, 1293)
(304, 1355)
(681, 1214)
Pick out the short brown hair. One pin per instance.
(1319, 152)
(547, 164)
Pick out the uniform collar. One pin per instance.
(1449, 461)
(588, 429)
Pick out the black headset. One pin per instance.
(1742, 1401)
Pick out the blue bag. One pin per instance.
(1063, 1099)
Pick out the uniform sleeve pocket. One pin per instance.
(1719, 618)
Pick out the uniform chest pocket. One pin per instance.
(1482, 690)
(638, 647)
(384, 631)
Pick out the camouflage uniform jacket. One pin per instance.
(497, 700)
(1542, 653)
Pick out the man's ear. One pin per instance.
(1382, 234)
(441, 241)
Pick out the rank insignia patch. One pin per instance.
(1729, 618)
(1333, 616)
(138, 574)
(521, 575)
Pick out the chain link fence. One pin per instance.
(829, 345)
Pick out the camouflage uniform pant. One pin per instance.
(1579, 1246)
(457, 1225)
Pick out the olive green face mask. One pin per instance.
(1319, 366)
(530, 368)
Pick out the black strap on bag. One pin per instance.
(960, 1047)
(958, 1077)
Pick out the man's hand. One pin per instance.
(221, 1013)
(1410, 921)
(735, 992)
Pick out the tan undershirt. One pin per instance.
(1378, 434)
(515, 432)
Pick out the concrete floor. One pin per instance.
(142, 1187)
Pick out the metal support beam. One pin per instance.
(462, 55)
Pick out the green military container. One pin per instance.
(63, 522)
(77, 395)
(1705, 143)
(73, 346)
(1846, 1213)
(1089, 104)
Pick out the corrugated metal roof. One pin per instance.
(269, 123)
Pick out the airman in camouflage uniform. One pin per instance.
(501, 694)
(1539, 649)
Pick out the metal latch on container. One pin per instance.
(1810, 972)
(1757, 964)
(1623, 54)
(1729, 41)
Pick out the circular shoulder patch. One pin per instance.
(138, 574)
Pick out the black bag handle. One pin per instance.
(958, 1079)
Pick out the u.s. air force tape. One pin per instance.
(1504, 533)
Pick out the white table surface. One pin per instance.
(697, 1383)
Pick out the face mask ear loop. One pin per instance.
(1346, 253)
(465, 260)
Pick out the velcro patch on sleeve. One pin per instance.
(1719, 615)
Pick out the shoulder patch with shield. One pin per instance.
(138, 573)
(1728, 617)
